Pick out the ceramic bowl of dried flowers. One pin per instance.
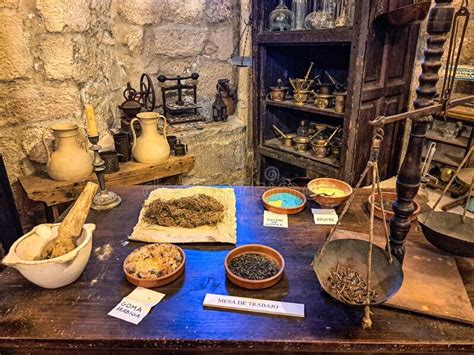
(254, 266)
(154, 265)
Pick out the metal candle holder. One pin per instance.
(104, 199)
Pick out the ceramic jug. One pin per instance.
(151, 146)
(69, 162)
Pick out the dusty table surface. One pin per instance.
(75, 317)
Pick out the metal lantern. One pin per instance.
(219, 109)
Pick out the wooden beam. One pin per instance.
(44, 189)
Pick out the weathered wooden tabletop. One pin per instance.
(75, 317)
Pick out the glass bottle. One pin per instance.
(345, 13)
(303, 128)
(299, 11)
(281, 18)
(314, 20)
(329, 9)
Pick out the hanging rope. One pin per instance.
(372, 165)
(367, 321)
(387, 235)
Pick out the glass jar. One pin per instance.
(281, 18)
(329, 10)
(311, 21)
(299, 11)
(345, 13)
(303, 129)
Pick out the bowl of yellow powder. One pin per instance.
(329, 193)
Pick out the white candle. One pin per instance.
(91, 122)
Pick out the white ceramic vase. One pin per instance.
(69, 162)
(151, 146)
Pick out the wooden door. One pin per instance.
(389, 58)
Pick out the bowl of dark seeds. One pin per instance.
(254, 266)
(341, 268)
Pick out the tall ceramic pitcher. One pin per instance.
(69, 162)
(151, 146)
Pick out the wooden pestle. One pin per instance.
(71, 227)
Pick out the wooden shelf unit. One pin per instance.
(308, 107)
(320, 36)
(460, 144)
(378, 68)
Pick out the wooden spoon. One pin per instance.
(71, 227)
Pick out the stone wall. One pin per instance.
(57, 55)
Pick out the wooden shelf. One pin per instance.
(275, 149)
(297, 160)
(44, 189)
(443, 158)
(306, 108)
(336, 35)
(436, 136)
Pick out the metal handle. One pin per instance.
(86, 140)
(279, 131)
(332, 136)
(165, 126)
(133, 131)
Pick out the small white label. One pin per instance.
(325, 216)
(136, 305)
(271, 219)
(254, 305)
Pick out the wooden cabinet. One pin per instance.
(451, 151)
(377, 65)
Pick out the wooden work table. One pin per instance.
(75, 317)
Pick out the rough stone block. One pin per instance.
(176, 41)
(219, 10)
(134, 39)
(141, 12)
(219, 150)
(11, 4)
(56, 52)
(173, 67)
(15, 57)
(186, 12)
(222, 37)
(130, 36)
(30, 102)
(12, 153)
(210, 72)
(68, 16)
(94, 61)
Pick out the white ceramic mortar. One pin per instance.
(51, 273)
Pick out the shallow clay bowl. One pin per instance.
(158, 281)
(284, 210)
(255, 249)
(329, 201)
(391, 197)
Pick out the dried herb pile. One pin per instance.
(253, 266)
(186, 212)
(348, 286)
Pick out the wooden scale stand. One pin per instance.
(446, 297)
(439, 24)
